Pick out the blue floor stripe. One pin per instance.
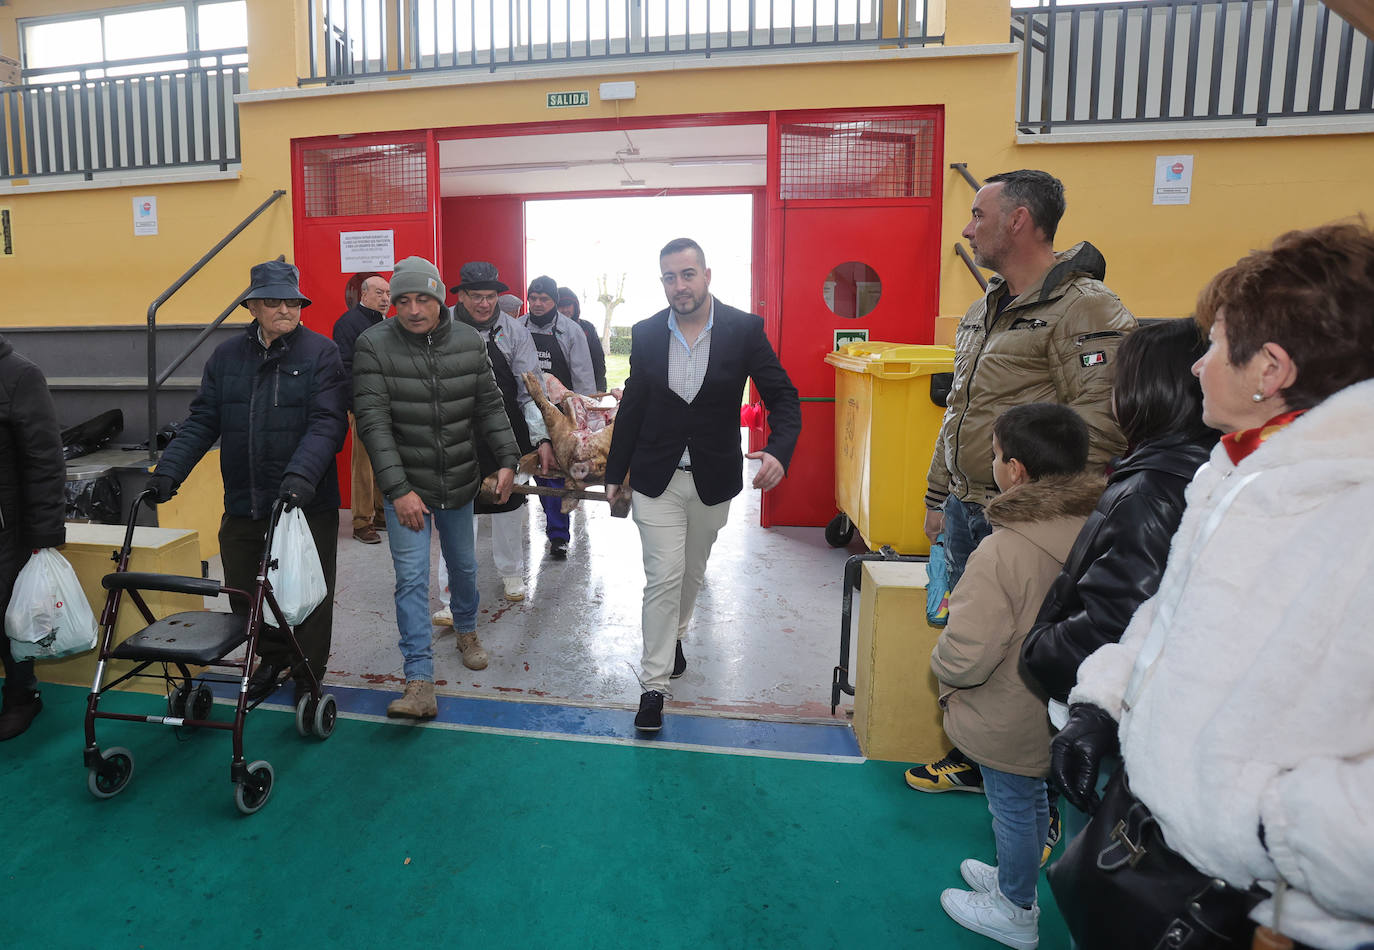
(680, 730)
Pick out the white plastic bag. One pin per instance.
(48, 616)
(297, 576)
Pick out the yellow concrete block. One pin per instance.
(198, 505)
(157, 550)
(897, 716)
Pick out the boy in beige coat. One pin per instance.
(992, 712)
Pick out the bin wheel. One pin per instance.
(840, 531)
(201, 702)
(252, 793)
(326, 715)
(108, 779)
(304, 715)
(176, 702)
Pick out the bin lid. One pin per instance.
(892, 360)
(80, 471)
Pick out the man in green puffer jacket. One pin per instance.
(423, 394)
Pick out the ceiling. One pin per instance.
(730, 156)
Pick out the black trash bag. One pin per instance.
(94, 499)
(91, 435)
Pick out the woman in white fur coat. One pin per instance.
(1242, 693)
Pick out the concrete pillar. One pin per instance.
(278, 43)
(972, 22)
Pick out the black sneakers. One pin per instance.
(650, 715)
(558, 548)
(263, 682)
(679, 663)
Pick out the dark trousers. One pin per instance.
(240, 547)
(556, 523)
(18, 674)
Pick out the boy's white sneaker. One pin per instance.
(514, 588)
(992, 915)
(978, 875)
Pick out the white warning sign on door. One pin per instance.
(366, 250)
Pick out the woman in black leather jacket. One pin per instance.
(1119, 557)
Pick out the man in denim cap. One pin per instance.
(276, 398)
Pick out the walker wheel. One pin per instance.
(201, 702)
(304, 715)
(252, 793)
(176, 702)
(840, 531)
(326, 715)
(108, 779)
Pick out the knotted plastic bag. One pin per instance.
(296, 574)
(48, 615)
(937, 585)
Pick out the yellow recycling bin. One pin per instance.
(889, 401)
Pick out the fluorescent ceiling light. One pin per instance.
(716, 160)
(506, 169)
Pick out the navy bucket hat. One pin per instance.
(277, 280)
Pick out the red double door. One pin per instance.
(859, 229)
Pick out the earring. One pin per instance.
(1258, 397)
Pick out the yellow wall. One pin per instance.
(1245, 190)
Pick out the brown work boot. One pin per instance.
(417, 702)
(367, 535)
(474, 657)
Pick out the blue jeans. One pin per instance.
(410, 555)
(965, 527)
(555, 521)
(1020, 822)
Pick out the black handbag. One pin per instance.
(1120, 887)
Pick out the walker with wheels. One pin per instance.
(201, 639)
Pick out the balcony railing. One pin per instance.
(1188, 60)
(350, 39)
(97, 122)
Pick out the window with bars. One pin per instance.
(868, 158)
(368, 179)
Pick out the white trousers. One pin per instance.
(507, 537)
(676, 531)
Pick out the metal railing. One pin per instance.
(1188, 60)
(350, 39)
(106, 123)
(155, 380)
(975, 184)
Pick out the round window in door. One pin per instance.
(852, 289)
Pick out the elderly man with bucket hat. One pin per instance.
(276, 398)
(511, 351)
(425, 399)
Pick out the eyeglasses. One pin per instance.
(272, 303)
(487, 299)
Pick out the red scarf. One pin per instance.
(1242, 443)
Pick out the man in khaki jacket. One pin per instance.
(1047, 330)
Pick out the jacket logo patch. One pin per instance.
(1094, 359)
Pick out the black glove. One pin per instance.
(296, 491)
(1076, 752)
(162, 488)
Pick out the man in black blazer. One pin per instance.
(677, 438)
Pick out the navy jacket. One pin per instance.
(1117, 562)
(654, 425)
(347, 329)
(32, 470)
(276, 411)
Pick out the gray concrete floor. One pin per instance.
(763, 641)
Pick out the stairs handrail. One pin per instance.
(154, 380)
(975, 184)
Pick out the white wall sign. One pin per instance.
(366, 250)
(1173, 179)
(145, 215)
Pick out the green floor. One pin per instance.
(393, 836)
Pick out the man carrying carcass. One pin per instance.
(511, 351)
(677, 438)
(562, 349)
(425, 398)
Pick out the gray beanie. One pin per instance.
(415, 275)
(542, 285)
